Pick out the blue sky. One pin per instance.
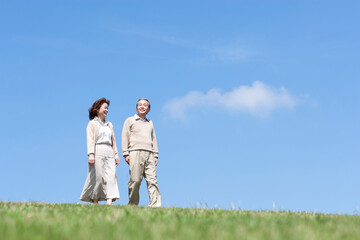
(253, 102)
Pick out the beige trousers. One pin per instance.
(142, 164)
(101, 181)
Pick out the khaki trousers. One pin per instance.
(142, 164)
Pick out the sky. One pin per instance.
(255, 103)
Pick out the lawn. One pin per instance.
(85, 221)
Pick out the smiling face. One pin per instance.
(142, 108)
(103, 111)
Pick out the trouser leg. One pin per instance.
(151, 181)
(136, 170)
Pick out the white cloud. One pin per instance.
(258, 99)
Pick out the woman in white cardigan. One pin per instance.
(101, 181)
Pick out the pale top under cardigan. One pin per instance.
(92, 133)
(104, 135)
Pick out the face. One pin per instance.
(142, 107)
(103, 111)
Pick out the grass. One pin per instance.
(85, 221)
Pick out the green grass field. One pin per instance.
(85, 221)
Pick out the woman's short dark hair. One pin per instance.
(93, 111)
(143, 99)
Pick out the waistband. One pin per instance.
(103, 144)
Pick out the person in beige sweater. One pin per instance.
(139, 148)
(101, 181)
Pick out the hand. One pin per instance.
(156, 161)
(127, 159)
(117, 161)
(91, 160)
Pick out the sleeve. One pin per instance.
(116, 154)
(90, 139)
(154, 142)
(125, 138)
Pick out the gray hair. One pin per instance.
(143, 99)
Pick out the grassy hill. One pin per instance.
(84, 221)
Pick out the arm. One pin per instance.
(90, 143)
(154, 144)
(125, 139)
(116, 154)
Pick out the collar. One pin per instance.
(101, 122)
(139, 118)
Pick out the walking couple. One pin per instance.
(139, 148)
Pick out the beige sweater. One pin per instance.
(92, 132)
(138, 135)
